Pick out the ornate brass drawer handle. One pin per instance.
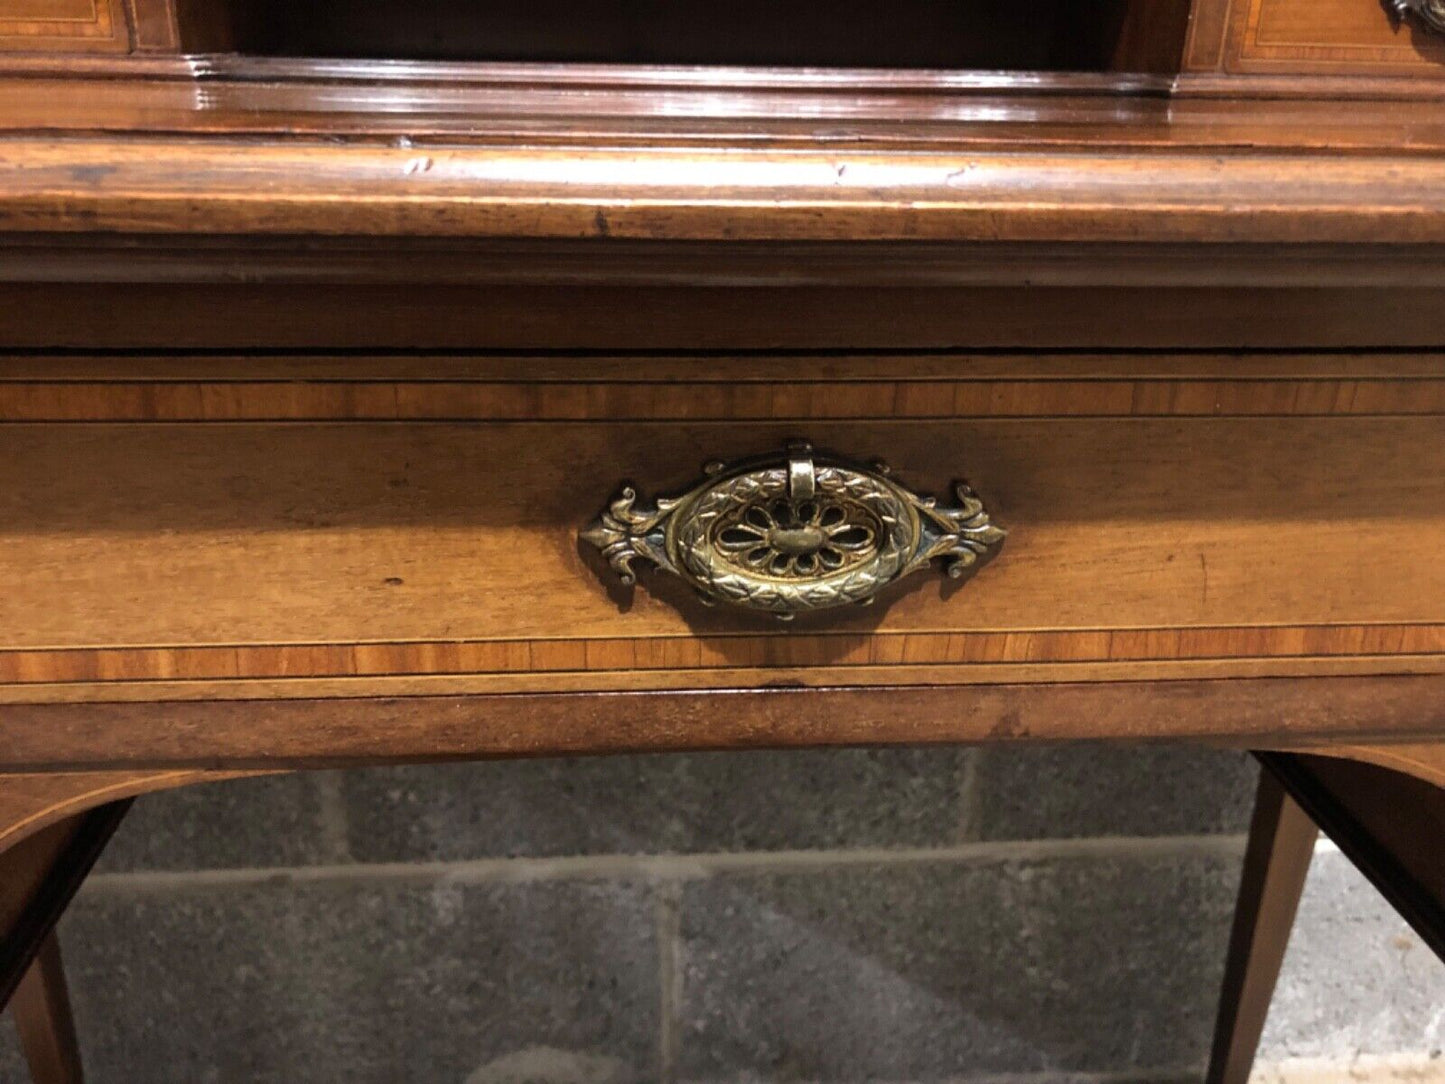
(1430, 12)
(794, 532)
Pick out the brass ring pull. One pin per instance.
(1430, 12)
(795, 532)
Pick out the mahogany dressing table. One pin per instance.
(524, 381)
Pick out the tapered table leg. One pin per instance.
(1391, 825)
(38, 877)
(53, 826)
(1276, 862)
(41, 1005)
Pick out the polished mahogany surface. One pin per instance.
(322, 340)
(287, 314)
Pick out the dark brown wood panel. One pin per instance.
(154, 28)
(368, 318)
(742, 387)
(71, 260)
(1151, 36)
(1275, 712)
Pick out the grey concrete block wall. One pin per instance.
(340, 981)
(929, 915)
(933, 970)
(755, 801)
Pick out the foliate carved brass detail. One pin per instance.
(796, 532)
(1430, 12)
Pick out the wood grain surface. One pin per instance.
(64, 261)
(742, 387)
(315, 502)
(581, 151)
(271, 735)
(154, 185)
(241, 318)
(186, 525)
(69, 26)
(1355, 37)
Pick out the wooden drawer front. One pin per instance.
(71, 26)
(279, 527)
(1326, 36)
